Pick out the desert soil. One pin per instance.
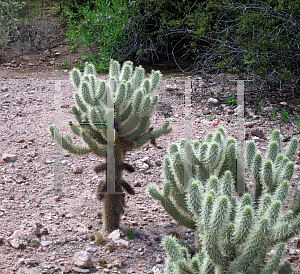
(30, 205)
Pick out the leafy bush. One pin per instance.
(256, 39)
(101, 29)
(9, 12)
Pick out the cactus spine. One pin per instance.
(235, 234)
(133, 107)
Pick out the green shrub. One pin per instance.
(9, 13)
(258, 39)
(100, 29)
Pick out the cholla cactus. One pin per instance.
(133, 106)
(276, 166)
(213, 157)
(236, 235)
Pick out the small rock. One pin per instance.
(30, 262)
(110, 247)
(137, 184)
(115, 235)
(83, 259)
(49, 162)
(21, 261)
(158, 162)
(21, 140)
(170, 87)
(17, 240)
(64, 162)
(159, 259)
(213, 101)
(77, 170)
(82, 230)
(130, 271)
(30, 64)
(257, 132)
(268, 109)
(70, 215)
(9, 158)
(145, 160)
(156, 238)
(23, 177)
(117, 263)
(141, 165)
(4, 89)
(44, 231)
(52, 63)
(293, 252)
(58, 197)
(46, 243)
(91, 249)
(248, 124)
(79, 270)
(156, 270)
(123, 243)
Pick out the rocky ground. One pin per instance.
(42, 231)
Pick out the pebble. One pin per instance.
(156, 270)
(213, 101)
(137, 184)
(77, 170)
(9, 158)
(248, 125)
(46, 243)
(91, 249)
(30, 262)
(79, 270)
(117, 263)
(170, 87)
(21, 261)
(17, 239)
(115, 235)
(141, 165)
(110, 247)
(83, 259)
(159, 259)
(123, 243)
(49, 162)
(257, 132)
(158, 162)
